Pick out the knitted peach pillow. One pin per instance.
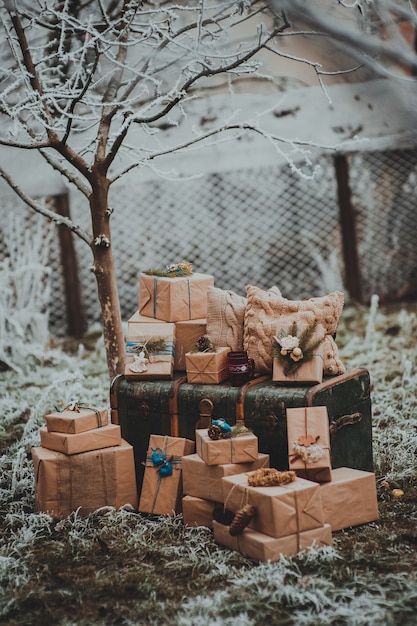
(225, 317)
(265, 310)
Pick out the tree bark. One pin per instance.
(105, 273)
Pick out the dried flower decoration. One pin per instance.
(293, 348)
(175, 270)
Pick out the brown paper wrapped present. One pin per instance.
(68, 443)
(282, 510)
(309, 442)
(197, 511)
(264, 548)
(350, 498)
(187, 333)
(207, 367)
(205, 481)
(161, 492)
(150, 352)
(174, 299)
(308, 369)
(77, 420)
(239, 449)
(84, 482)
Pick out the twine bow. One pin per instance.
(74, 405)
(159, 459)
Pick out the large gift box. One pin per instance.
(162, 481)
(309, 442)
(78, 419)
(264, 548)
(280, 510)
(67, 443)
(350, 498)
(207, 367)
(242, 448)
(197, 511)
(306, 367)
(174, 299)
(84, 482)
(205, 481)
(150, 351)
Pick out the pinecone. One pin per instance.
(214, 432)
(203, 344)
(241, 520)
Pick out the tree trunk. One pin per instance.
(105, 274)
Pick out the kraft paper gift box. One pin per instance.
(187, 333)
(161, 492)
(174, 299)
(205, 481)
(207, 367)
(238, 449)
(282, 510)
(309, 442)
(350, 498)
(264, 548)
(144, 359)
(84, 482)
(197, 511)
(308, 371)
(67, 443)
(77, 420)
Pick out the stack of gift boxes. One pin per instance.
(292, 510)
(83, 464)
(162, 333)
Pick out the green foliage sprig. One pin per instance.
(292, 350)
(176, 270)
(150, 346)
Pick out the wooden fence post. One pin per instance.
(353, 280)
(75, 314)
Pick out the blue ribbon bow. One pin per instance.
(223, 425)
(159, 459)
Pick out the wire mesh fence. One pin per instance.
(262, 226)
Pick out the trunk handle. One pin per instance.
(344, 420)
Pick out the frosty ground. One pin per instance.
(120, 567)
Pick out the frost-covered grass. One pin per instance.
(120, 567)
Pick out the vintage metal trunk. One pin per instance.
(176, 408)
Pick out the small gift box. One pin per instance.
(84, 482)
(197, 511)
(309, 442)
(265, 548)
(205, 481)
(67, 443)
(298, 354)
(76, 418)
(150, 351)
(281, 510)
(239, 448)
(162, 482)
(207, 367)
(350, 498)
(174, 294)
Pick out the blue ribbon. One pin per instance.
(159, 459)
(222, 424)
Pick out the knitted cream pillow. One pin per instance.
(264, 311)
(225, 317)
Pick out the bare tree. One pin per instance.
(102, 70)
(86, 84)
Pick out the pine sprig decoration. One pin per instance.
(175, 270)
(150, 346)
(293, 349)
